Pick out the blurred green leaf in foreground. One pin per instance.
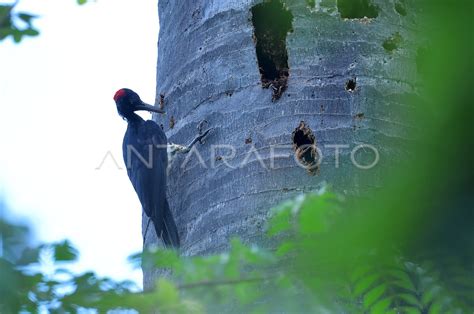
(18, 25)
(306, 272)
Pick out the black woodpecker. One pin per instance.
(145, 152)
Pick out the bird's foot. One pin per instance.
(202, 135)
(174, 149)
(200, 138)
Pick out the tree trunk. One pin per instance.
(254, 79)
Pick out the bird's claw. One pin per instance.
(201, 125)
(202, 135)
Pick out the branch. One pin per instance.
(209, 283)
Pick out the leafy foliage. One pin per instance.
(300, 275)
(18, 25)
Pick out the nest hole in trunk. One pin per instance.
(304, 145)
(272, 22)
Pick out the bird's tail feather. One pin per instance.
(169, 231)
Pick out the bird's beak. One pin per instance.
(148, 107)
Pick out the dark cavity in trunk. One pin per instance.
(272, 22)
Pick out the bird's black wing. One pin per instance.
(147, 161)
(147, 171)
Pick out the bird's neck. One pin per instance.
(133, 118)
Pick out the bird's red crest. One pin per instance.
(119, 94)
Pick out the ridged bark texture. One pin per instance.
(344, 83)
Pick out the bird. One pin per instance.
(146, 152)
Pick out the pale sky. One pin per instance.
(58, 121)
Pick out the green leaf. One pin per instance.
(248, 255)
(359, 272)
(365, 283)
(166, 258)
(4, 33)
(246, 293)
(17, 36)
(313, 219)
(31, 32)
(406, 285)
(430, 295)
(85, 281)
(167, 292)
(402, 279)
(65, 252)
(231, 269)
(26, 17)
(5, 14)
(281, 221)
(285, 283)
(381, 306)
(285, 248)
(373, 295)
(156, 258)
(81, 2)
(409, 310)
(409, 299)
(29, 256)
(441, 305)
(317, 213)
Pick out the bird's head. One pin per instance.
(128, 102)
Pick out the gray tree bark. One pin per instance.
(349, 81)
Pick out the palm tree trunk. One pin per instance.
(254, 79)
